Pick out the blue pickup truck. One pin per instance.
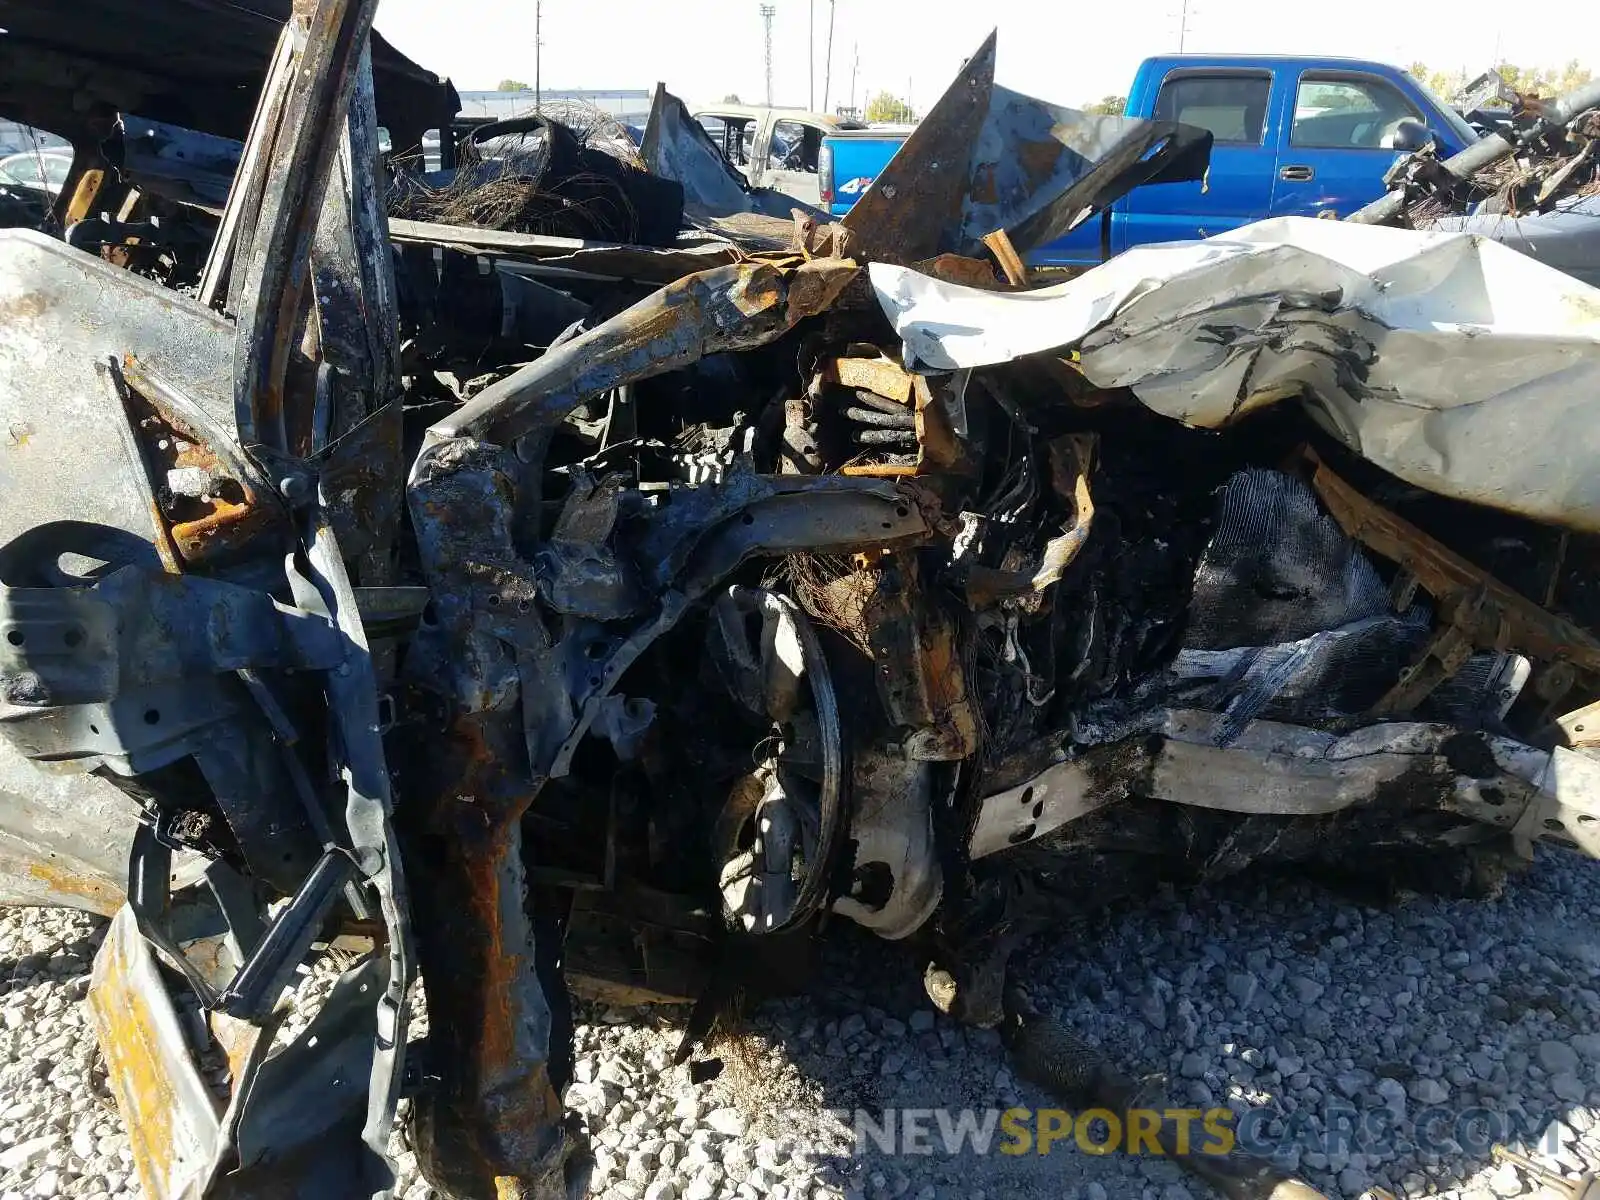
(1294, 137)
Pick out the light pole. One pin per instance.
(768, 11)
(811, 50)
(827, 69)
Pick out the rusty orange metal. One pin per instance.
(1455, 582)
(492, 1131)
(941, 448)
(999, 243)
(85, 195)
(959, 269)
(227, 530)
(97, 895)
(170, 1116)
(882, 376)
(875, 471)
(191, 531)
(921, 675)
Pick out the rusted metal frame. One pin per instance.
(229, 527)
(180, 411)
(1445, 654)
(172, 1120)
(276, 275)
(490, 1124)
(913, 210)
(498, 1106)
(999, 243)
(739, 307)
(921, 678)
(244, 196)
(1454, 581)
(116, 386)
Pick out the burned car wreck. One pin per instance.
(789, 571)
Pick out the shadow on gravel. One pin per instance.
(1357, 1044)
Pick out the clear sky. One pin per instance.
(1069, 53)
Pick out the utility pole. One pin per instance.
(827, 69)
(1183, 26)
(811, 50)
(768, 11)
(538, 53)
(855, 71)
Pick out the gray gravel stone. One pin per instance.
(1568, 1087)
(1242, 987)
(1557, 1057)
(726, 1121)
(1428, 1091)
(1271, 996)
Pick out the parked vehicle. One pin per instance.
(42, 170)
(851, 159)
(1294, 137)
(15, 137)
(777, 148)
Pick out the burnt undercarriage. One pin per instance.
(621, 634)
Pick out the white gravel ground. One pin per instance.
(1262, 994)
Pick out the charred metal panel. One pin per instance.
(64, 443)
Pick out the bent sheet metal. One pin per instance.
(1451, 361)
(456, 622)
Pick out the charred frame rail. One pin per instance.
(1479, 610)
(520, 700)
(276, 264)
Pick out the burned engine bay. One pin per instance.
(526, 612)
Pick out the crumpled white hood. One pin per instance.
(1456, 363)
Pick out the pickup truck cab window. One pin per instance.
(1349, 113)
(1237, 105)
(1231, 104)
(795, 147)
(731, 135)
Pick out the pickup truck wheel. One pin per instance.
(776, 834)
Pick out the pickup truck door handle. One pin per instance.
(1297, 174)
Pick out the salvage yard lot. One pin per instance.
(1262, 987)
(958, 701)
